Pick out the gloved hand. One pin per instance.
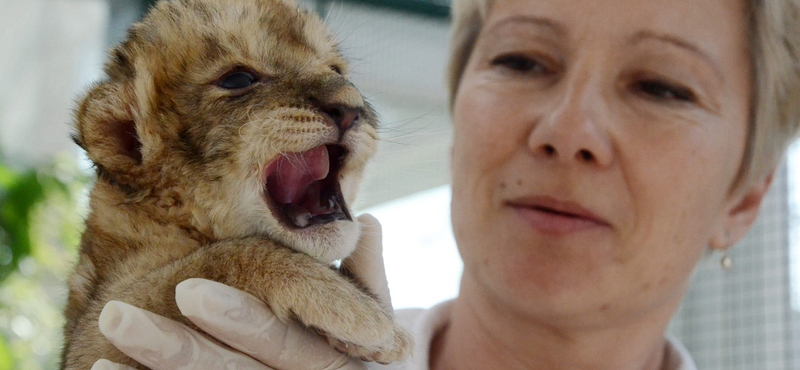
(257, 339)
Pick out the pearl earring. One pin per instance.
(726, 262)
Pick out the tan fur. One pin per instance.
(188, 199)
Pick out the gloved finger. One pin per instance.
(104, 364)
(245, 323)
(163, 344)
(366, 262)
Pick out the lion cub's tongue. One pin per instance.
(295, 172)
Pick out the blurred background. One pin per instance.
(51, 50)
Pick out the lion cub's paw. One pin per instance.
(397, 348)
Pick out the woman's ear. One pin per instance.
(740, 214)
(106, 129)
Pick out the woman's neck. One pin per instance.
(481, 335)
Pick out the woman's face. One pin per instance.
(595, 146)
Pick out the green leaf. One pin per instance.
(16, 206)
(7, 176)
(6, 360)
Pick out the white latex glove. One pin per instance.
(257, 339)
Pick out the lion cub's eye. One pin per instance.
(335, 69)
(237, 80)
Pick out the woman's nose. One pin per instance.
(574, 129)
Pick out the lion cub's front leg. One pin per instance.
(294, 286)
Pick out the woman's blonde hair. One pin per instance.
(775, 49)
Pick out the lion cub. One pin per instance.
(228, 143)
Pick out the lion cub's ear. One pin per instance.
(107, 129)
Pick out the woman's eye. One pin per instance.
(519, 63)
(237, 80)
(663, 91)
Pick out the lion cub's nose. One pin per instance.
(341, 116)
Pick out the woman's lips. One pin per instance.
(554, 217)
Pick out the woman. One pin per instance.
(601, 148)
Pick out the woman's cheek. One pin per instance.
(487, 130)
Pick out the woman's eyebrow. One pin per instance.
(646, 35)
(544, 23)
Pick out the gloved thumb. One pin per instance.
(366, 262)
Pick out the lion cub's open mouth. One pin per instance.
(303, 188)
